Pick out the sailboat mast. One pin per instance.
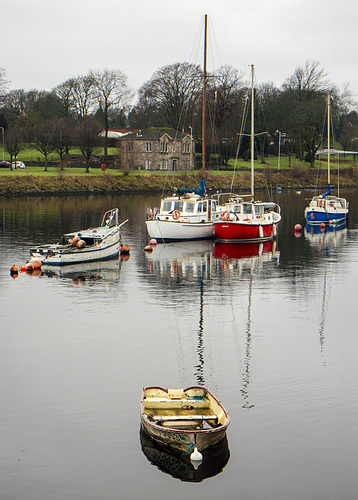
(329, 139)
(204, 94)
(252, 132)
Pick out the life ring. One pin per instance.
(176, 214)
(225, 216)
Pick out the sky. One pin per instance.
(46, 42)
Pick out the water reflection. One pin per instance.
(325, 237)
(179, 466)
(106, 271)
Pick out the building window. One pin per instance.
(164, 165)
(148, 147)
(148, 164)
(164, 147)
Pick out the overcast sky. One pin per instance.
(46, 42)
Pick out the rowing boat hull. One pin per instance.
(172, 461)
(184, 439)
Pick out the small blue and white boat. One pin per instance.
(327, 208)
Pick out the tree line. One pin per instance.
(74, 112)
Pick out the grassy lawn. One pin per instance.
(30, 154)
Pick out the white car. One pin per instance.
(17, 164)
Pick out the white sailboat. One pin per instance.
(187, 214)
(327, 208)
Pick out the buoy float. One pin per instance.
(322, 226)
(148, 248)
(330, 222)
(124, 249)
(22, 269)
(153, 242)
(14, 271)
(298, 227)
(196, 458)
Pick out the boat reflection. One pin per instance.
(106, 270)
(229, 250)
(245, 255)
(179, 466)
(188, 260)
(325, 236)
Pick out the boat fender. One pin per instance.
(81, 244)
(196, 458)
(36, 264)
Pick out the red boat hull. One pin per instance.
(243, 231)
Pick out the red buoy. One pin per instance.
(322, 226)
(298, 227)
(153, 242)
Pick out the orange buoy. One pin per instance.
(298, 227)
(124, 257)
(322, 226)
(153, 242)
(148, 249)
(22, 269)
(125, 249)
(14, 272)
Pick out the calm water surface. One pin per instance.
(271, 330)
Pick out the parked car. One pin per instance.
(5, 164)
(17, 164)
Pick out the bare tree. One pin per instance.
(111, 91)
(63, 129)
(172, 93)
(14, 142)
(87, 137)
(83, 96)
(42, 138)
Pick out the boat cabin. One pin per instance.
(192, 207)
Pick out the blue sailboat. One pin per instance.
(327, 208)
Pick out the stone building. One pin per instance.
(157, 149)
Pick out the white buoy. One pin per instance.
(196, 458)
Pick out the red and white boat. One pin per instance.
(248, 220)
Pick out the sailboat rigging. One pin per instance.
(188, 214)
(326, 208)
(251, 220)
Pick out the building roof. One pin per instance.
(324, 152)
(116, 133)
(158, 133)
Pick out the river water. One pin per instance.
(271, 330)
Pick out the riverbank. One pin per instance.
(295, 178)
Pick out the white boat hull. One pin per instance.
(166, 230)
